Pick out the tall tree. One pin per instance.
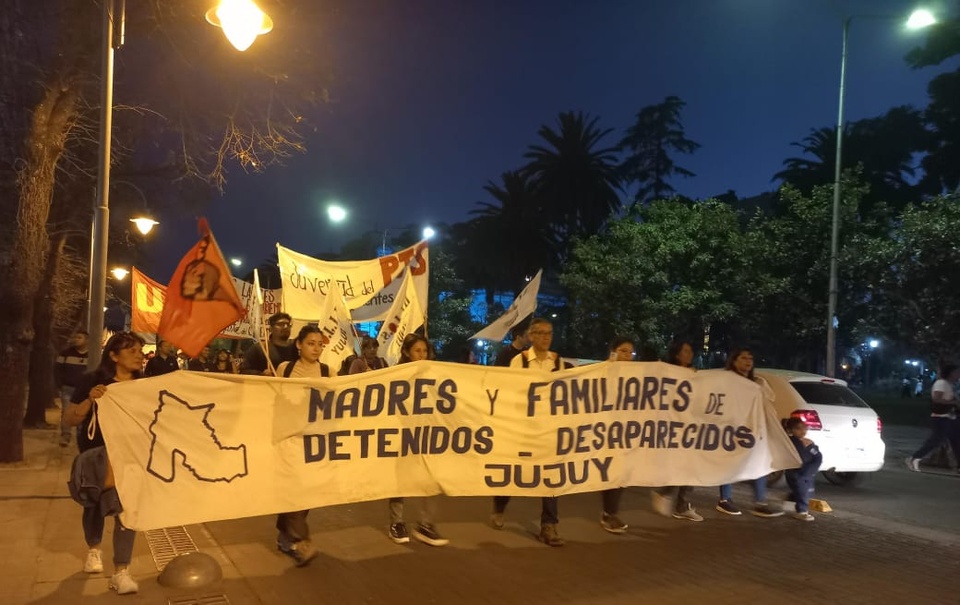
(673, 273)
(574, 175)
(942, 161)
(654, 137)
(885, 147)
(196, 113)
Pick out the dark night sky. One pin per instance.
(435, 98)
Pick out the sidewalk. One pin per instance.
(660, 560)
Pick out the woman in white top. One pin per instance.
(943, 417)
(293, 534)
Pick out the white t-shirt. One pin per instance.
(944, 386)
(301, 369)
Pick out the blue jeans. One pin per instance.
(759, 491)
(801, 488)
(66, 395)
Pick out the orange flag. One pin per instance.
(201, 298)
(147, 302)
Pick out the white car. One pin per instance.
(844, 427)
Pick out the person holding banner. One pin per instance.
(621, 349)
(254, 360)
(293, 534)
(415, 348)
(223, 363)
(740, 361)
(537, 357)
(679, 353)
(91, 480)
(368, 359)
(518, 342)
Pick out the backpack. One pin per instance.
(287, 371)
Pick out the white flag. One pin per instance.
(523, 305)
(337, 329)
(405, 316)
(255, 309)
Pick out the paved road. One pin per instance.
(891, 541)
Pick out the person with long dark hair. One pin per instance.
(92, 481)
(293, 533)
(415, 348)
(680, 353)
(223, 363)
(740, 361)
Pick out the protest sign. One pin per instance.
(369, 287)
(339, 335)
(189, 447)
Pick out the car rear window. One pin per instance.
(823, 393)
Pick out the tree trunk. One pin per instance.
(42, 354)
(24, 268)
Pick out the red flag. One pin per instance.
(201, 298)
(146, 306)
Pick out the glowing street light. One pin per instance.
(242, 21)
(429, 232)
(921, 18)
(119, 273)
(144, 225)
(874, 343)
(236, 262)
(336, 213)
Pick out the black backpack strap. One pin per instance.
(287, 371)
(524, 360)
(324, 370)
(556, 364)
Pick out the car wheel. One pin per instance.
(844, 479)
(774, 477)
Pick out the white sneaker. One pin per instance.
(690, 514)
(913, 464)
(94, 562)
(803, 517)
(123, 582)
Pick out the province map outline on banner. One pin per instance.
(369, 287)
(189, 447)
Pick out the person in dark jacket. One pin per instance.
(69, 369)
(164, 362)
(801, 479)
(279, 345)
(518, 343)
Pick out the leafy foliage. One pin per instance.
(656, 134)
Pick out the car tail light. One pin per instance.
(810, 417)
(879, 425)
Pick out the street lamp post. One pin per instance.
(918, 19)
(232, 16)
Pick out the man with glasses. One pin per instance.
(539, 357)
(255, 362)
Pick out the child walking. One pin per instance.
(801, 479)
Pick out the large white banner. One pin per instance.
(368, 286)
(192, 447)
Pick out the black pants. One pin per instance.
(680, 493)
(548, 509)
(293, 527)
(611, 500)
(944, 429)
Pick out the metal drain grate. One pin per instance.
(168, 543)
(213, 599)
